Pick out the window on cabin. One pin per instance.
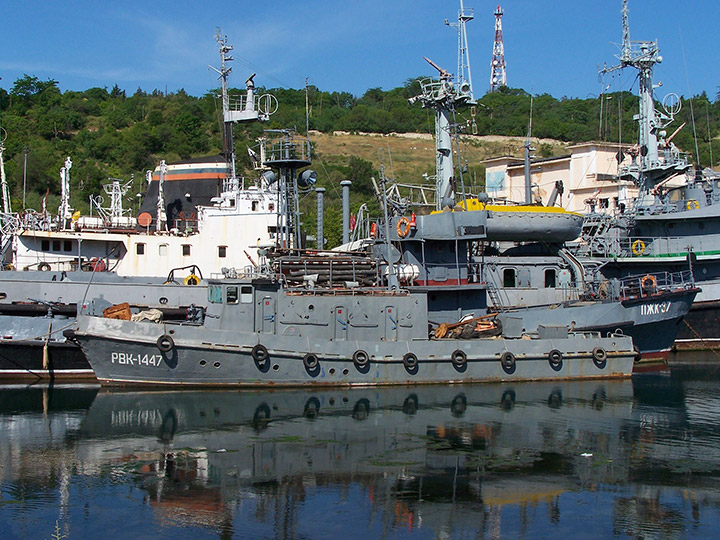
(162, 250)
(254, 206)
(604, 203)
(140, 249)
(509, 278)
(186, 250)
(45, 245)
(56, 245)
(222, 251)
(67, 245)
(215, 294)
(550, 278)
(246, 295)
(231, 294)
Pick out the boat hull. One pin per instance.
(123, 352)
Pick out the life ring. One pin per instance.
(44, 267)
(260, 354)
(649, 282)
(692, 204)
(599, 355)
(507, 360)
(410, 361)
(360, 358)
(638, 247)
(403, 227)
(311, 362)
(192, 279)
(555, 358)
(165, 343)
(458, 359)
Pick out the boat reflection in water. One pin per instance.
(637, 458)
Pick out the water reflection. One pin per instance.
(630, 458)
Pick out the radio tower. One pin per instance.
(498, 77)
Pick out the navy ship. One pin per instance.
(332, 318)
(669, 227)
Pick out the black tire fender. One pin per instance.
(165, 343)
(555, 358)
(360, 358)
(310, 361)
(259, 353)
(507, 360)
(458, 358)
(410, 361)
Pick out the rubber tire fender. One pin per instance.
(165, 343)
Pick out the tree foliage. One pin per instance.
(111, 134)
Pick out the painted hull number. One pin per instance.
(129, 359)
(655, 309)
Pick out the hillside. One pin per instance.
(110, 134)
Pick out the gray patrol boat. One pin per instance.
(672, 226)
(329, 318)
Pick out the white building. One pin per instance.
(588, 175)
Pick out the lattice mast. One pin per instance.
(464, 76)
(498, 76)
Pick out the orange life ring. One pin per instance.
(403, 227)
(652, 281)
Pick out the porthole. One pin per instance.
(346, 372)
(203, 363)
(276, 367)
(216, 364)
(331, 371)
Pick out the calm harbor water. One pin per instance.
(622, 459)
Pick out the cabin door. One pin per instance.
(268, 315)
(391, 324)
(341, 323)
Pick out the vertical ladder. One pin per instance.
(494, 296)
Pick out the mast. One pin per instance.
(656, 158)
(464, 75)
(65, 212)
(443, 97)
(247, 109)
(7, 207)
(161, 221)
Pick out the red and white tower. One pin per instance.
(498, 77)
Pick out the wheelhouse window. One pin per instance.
(231, 294)
(45, 245)
(186, 250)
(162, 250)
(550, 278)
(67, 245)
(140, 249)
(246, 294)
(509, 277)
(215, 294)
(222, 251)
(56, 245)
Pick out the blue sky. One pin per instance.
(551, 46)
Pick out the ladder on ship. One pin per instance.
(494, 296)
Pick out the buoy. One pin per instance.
(403, 227)
(638, 247)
